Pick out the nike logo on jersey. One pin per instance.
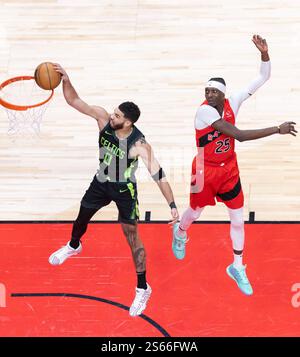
(121, 191)
(108, 133)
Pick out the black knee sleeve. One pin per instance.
(81, 223)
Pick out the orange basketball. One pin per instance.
(46, 77)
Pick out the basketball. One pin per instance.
(46, 77)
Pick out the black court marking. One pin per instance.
(117, 304)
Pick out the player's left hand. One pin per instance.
(175, 216)
(288, 128)
(260, 43)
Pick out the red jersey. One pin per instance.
(218, 148)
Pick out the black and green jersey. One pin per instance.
(115, 165)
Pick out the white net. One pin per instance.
(26, 122)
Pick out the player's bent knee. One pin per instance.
(195, 213)
(237, 223)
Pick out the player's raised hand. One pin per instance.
(60, 70)
(288, 128)
(260, 43)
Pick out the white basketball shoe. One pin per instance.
(58, 257)
(140, 301)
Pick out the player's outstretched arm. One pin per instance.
(73, 99)
(144, 150)
(245, 135)
(264, 73)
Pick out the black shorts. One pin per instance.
(124, 194)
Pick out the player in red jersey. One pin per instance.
(215, 173)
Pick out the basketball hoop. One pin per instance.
(25, 104)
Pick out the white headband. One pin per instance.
(217, 85)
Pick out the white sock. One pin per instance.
(189, 216)
(181, 233)
(238, 260)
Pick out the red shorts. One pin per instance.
(216, 182)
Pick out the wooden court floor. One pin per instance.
(158, 54)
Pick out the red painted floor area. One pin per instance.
(193, 297)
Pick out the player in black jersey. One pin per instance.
(120, 144)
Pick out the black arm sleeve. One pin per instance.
(159, 175)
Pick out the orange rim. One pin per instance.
(20, 107)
